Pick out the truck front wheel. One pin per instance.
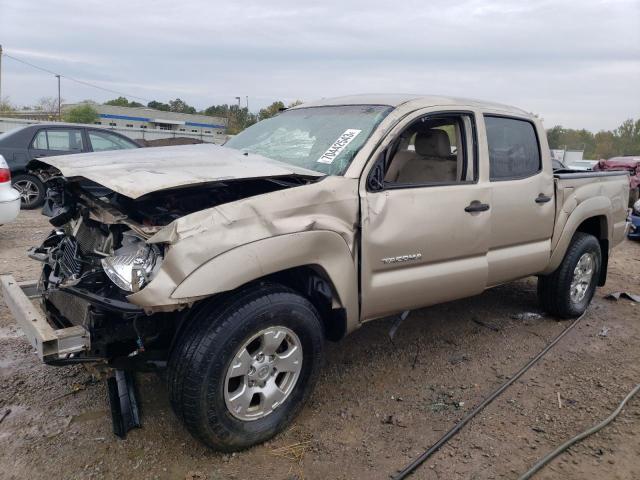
(567, 292)
(244, 368)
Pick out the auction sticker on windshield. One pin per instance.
(338, 146)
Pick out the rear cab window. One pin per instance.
(514, 151)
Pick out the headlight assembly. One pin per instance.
(133, 264)
(636, 207)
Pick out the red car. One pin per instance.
(631, 165)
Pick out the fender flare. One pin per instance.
(322, 249)
(593, 207)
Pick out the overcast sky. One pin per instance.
(575, 63)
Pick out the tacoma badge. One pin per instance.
(402, 258)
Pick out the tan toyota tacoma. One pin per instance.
(232, 265)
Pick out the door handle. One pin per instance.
(476, 206)
(542, 198)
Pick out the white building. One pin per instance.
(142, 119)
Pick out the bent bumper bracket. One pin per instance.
(51, 343)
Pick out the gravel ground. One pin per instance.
(378, 403)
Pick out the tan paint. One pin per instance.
(585, 198)
(271, 226)
(429, 221)
(444, 252)
(324, 250)
(140, 171)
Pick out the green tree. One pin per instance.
(624, 140)
(237, 118)
(628, 135)
(122, 102)
(217, 110)
(605, 145)
(271, 110)
(159, 106)
(180, 106)
(81, 114)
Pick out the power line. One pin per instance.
(82, 82)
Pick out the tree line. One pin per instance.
(238, 117)
(624, 140)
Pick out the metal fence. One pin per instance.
(7, 124)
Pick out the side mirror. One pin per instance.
(375, 182)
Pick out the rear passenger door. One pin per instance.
(522, 204)
(56, 141)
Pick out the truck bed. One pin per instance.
(603, 193)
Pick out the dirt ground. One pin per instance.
(378, 403)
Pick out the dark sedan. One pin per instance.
(22, 145)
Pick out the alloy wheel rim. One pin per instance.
(582, 276)
(28, 191)
(263, 373)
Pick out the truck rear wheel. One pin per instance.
(243, 369)
(567, 292)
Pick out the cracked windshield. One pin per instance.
(323, 139)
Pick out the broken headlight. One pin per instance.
(133, 264)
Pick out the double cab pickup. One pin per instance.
(232, 265)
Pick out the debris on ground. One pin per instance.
(5, 414)
(77, 387)
(359, 379)
(445, 401)
(525, 316)
(488, 325)
(295, 451)
(456, 359)
(617, 295)
(604, 332)
(394, 420)
(195, 476)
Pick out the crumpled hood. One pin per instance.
(140, 171)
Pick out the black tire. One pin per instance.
(200, 358)
(35, 197)
(554, 290)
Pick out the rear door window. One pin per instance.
(40, 141)
(101, 141)
(59, 140)
(513, 148)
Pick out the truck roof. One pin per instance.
(419, 101)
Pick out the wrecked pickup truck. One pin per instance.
(232, 265)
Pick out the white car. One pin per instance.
(9, 197)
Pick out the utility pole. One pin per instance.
(247, 99)
(238, 114)
(59, 107)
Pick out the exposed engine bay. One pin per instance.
(97, 255)
(155, 209)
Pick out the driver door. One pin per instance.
(426, 222)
